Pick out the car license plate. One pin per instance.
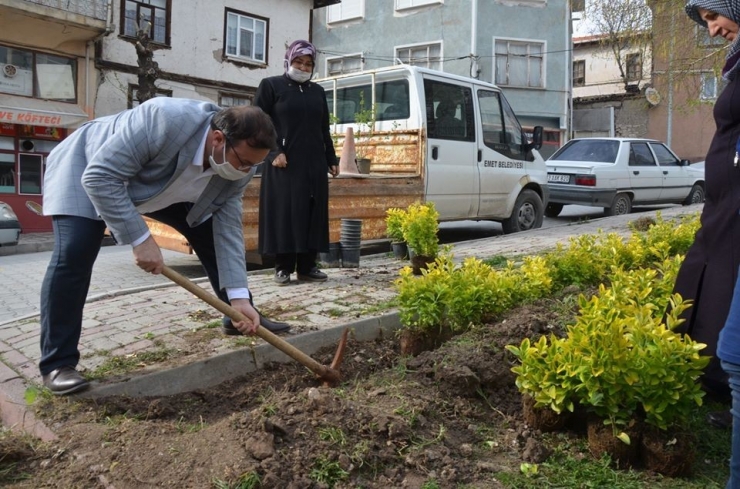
(555, 178)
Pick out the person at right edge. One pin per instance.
(294, 192)
(709, 271)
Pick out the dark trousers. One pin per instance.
(67, 280)
(303, 263)
(77, 241)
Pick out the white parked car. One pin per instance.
(10, 228)
(617, 173)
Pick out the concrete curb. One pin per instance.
(215, 370)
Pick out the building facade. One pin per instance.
(47, 87)
(521, 46)
(64, 62)
(686, 76)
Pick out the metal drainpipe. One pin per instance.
(474, 40)
(671, 47)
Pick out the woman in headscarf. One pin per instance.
(710, 269)
(294, 193)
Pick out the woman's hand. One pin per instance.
(280, 161)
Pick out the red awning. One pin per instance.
(35, 112)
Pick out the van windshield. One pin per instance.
(391, 101)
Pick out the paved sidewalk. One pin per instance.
(145, 320)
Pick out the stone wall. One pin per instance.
(630, 113)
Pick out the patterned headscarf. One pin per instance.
(299, 48)
(725, 8)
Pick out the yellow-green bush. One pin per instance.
(482, 291)
(619, 360)
(457, 296)
(420, 225)
(394, 218)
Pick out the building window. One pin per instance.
(7, 169)
(711, 86)
(579, 73)
(133, 93)
(577, 5)
(30, 166)
(405, 4)
(233, 100)
(149, 15)
(246, 37)
(347, 10)
(519, 63)
(345, 64)
(38, 75)
(634, 67)
(424, 55)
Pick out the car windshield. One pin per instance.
(597, 150)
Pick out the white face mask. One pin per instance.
(225, 169)
(298, 75)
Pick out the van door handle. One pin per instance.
(435, 152)
(480, 156)
(635, 172)
(665, 172)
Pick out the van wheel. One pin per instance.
(696, 196)
(553, 210)
(622, 204)
(527, 214)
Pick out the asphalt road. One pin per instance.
(451, 232)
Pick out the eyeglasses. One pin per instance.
(245, 167)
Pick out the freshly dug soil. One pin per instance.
(452, 415)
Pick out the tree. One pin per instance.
(624, 27)
(148, 71)
(682, 50)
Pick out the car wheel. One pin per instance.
(553, 210)
(527, 214)
(696, 196)
(622, 204)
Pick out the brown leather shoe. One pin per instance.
(65, 380)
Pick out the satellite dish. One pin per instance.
(652, 96)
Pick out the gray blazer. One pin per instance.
(111, 164)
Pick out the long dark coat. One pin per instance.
(294, 201)
(710, 269)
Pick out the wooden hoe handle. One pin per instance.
(323, 372)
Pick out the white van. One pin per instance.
(457, 136)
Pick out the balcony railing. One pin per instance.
(89, 8)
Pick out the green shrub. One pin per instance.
(619, 360)
(420, 226)
(394, 218)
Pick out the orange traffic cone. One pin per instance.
(347, 163)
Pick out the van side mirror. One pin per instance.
(684, 163)
(536, 139)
